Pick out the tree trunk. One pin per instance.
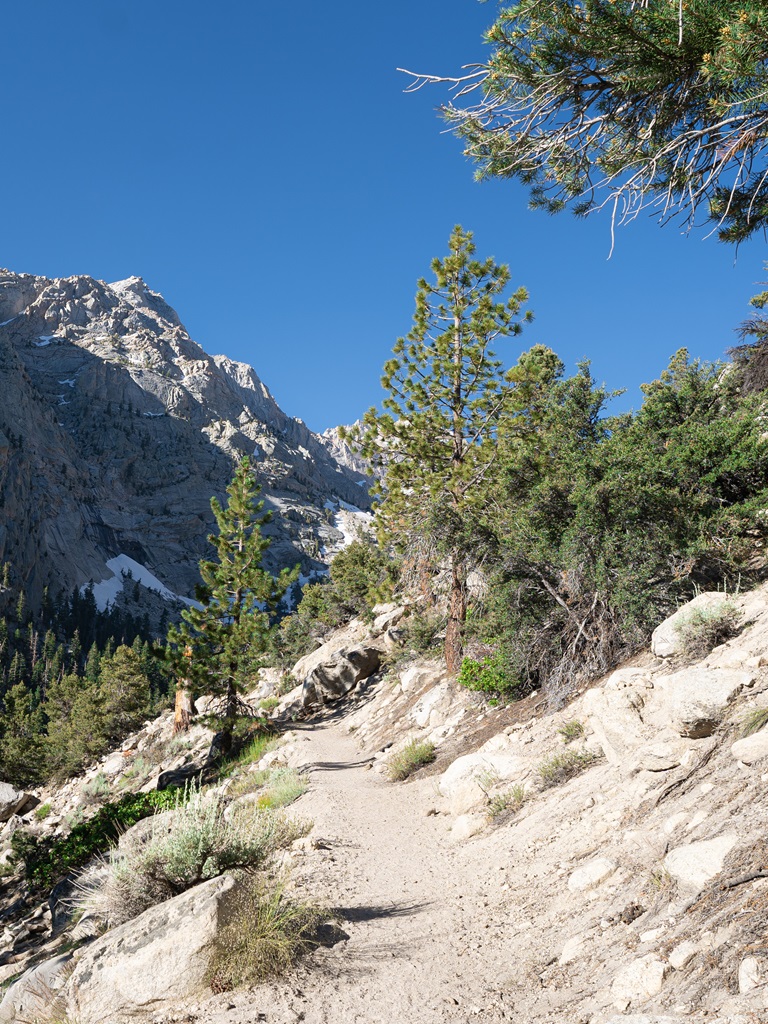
(457, 614)
(184, 709)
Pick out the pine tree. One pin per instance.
(22, 743)
(218, 646)
(446, 394)
(624, 105)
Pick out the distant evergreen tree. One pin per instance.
(22, 743)
(218, 647)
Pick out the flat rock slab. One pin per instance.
(751, 748)
(696, 698)
(592, 874)
(153, 962)
(614, 716)
(695, 864)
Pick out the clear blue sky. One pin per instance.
(259, 164)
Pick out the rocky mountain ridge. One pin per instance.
(115, 430)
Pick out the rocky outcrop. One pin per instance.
(334, 678)
(122, 428)
(37, 993)
(14, 801)
(152, 962)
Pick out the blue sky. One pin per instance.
(260, 165)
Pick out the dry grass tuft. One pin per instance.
(412, 756)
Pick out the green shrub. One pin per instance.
(48, 860)
(702, 629)
(42, 812)
(266, 935)
(571, 731)
(251, 752)
(200, 843)
(362, 575)
(269, 703)
(565, 765)
(754, 721)
(413, 755)
(279, 786)
(489, 675)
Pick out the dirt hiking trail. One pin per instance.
(429, 931)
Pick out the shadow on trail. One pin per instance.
(333, 766)
(376, 913)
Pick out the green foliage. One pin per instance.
(413, 755)
(269, 703)
(48, 860)
(633, 105)
(277, 787)
(490, 675)
(199, 842)
(362, 575)
(87, 716)
(42, 812)
(22, 750)
(250, 753)
(219, 646)
(446, 391)
(564, 766)
(267, 934)
(702, 629)
(597, 529)
(422, 634)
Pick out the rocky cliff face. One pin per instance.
(115, 430)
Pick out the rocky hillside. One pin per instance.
(115, 430)
(605, 864)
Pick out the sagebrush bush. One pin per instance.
(412, 756)
(563, 766)
(268, 933)
(199, 843)
(703, 629)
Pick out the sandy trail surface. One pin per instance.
(430, 929)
